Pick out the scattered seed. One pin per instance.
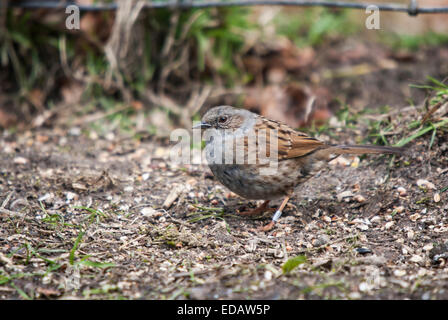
(355, 162)
(340, 161)
(150, 212)
(375, 219)
(79, 186)
(360, 198)
(399, 209)
(362, 226)
(345, 194)
(425, 183)
(128, 189)
(402, 191)
(436, 197)
(389, 225)
(20, 160)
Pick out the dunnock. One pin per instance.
(294, 156)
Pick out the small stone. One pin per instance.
(45, 197)
(71, 196)
(74, 131)
(436, 197)
(426, 295)
(416, 258)
(110, 136)
(128, 189)
(399, 273)
(414, 217)
(360, 198)
(364, 287)
(362, 226)
(150, 212)
(355, 295)
(428, 247)
(268, 275)
(145, 176)
(321, 240)
(191, 195)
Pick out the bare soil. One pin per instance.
(82, 217)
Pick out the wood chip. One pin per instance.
(174, 194)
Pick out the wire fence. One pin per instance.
(412, 9)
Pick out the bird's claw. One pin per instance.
(267, 227)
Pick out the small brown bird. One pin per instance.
(293, 156)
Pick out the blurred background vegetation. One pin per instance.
(143, 69)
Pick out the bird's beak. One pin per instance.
(202, 125)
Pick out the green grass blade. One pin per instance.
(292, 263)
(75, 247)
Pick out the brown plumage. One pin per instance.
(299, 156)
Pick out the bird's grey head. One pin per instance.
(226, 117)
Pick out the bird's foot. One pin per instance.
(267, 227)
(257, 211)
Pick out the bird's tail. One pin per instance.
(362, 149)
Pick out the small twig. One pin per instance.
(173, 195)
(8, 197)
(189, 274)
(10, 213)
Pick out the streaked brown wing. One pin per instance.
(291, 143)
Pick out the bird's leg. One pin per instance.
(260, 209)
(276, 216)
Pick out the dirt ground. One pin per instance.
(83, 217)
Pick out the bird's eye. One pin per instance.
(222, 119)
